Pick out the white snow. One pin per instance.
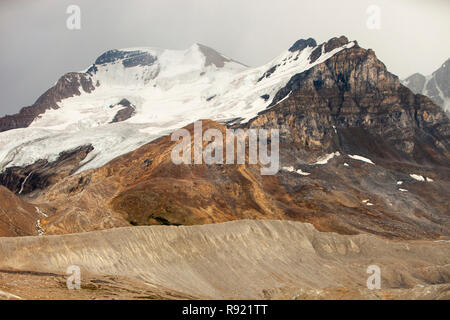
(346, 164)
(169, 94)
(417, 177)
(24, 181)
(328, 157)
(402, 190)
(399, 182)
(299, 171)
(360, 158)
(39, 228)
(367, 203)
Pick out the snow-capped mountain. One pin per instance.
(358, 151)
(436, 86)
(130, 97)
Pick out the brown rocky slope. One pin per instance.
(145, 187)
(17, 218)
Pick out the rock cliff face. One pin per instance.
(349, 102)
(67, 86)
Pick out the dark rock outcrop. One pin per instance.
(126, 112)
(328, 46)
(41, 174)
(301, 44)
(335, 42)
(128, 58)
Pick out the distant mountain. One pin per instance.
(436, 86)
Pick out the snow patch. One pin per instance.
(39, 228)
(25, 181)
(299, 171)
(417, 177)
(328, 157)
(360, 158)
(367, 203)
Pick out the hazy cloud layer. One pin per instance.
(37, 48)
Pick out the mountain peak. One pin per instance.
(129, 58)
(336, 42)
(212, 57)
(301, 44)
(435, 86)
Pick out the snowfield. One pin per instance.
(169, 90)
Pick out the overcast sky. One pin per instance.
(37, 48)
